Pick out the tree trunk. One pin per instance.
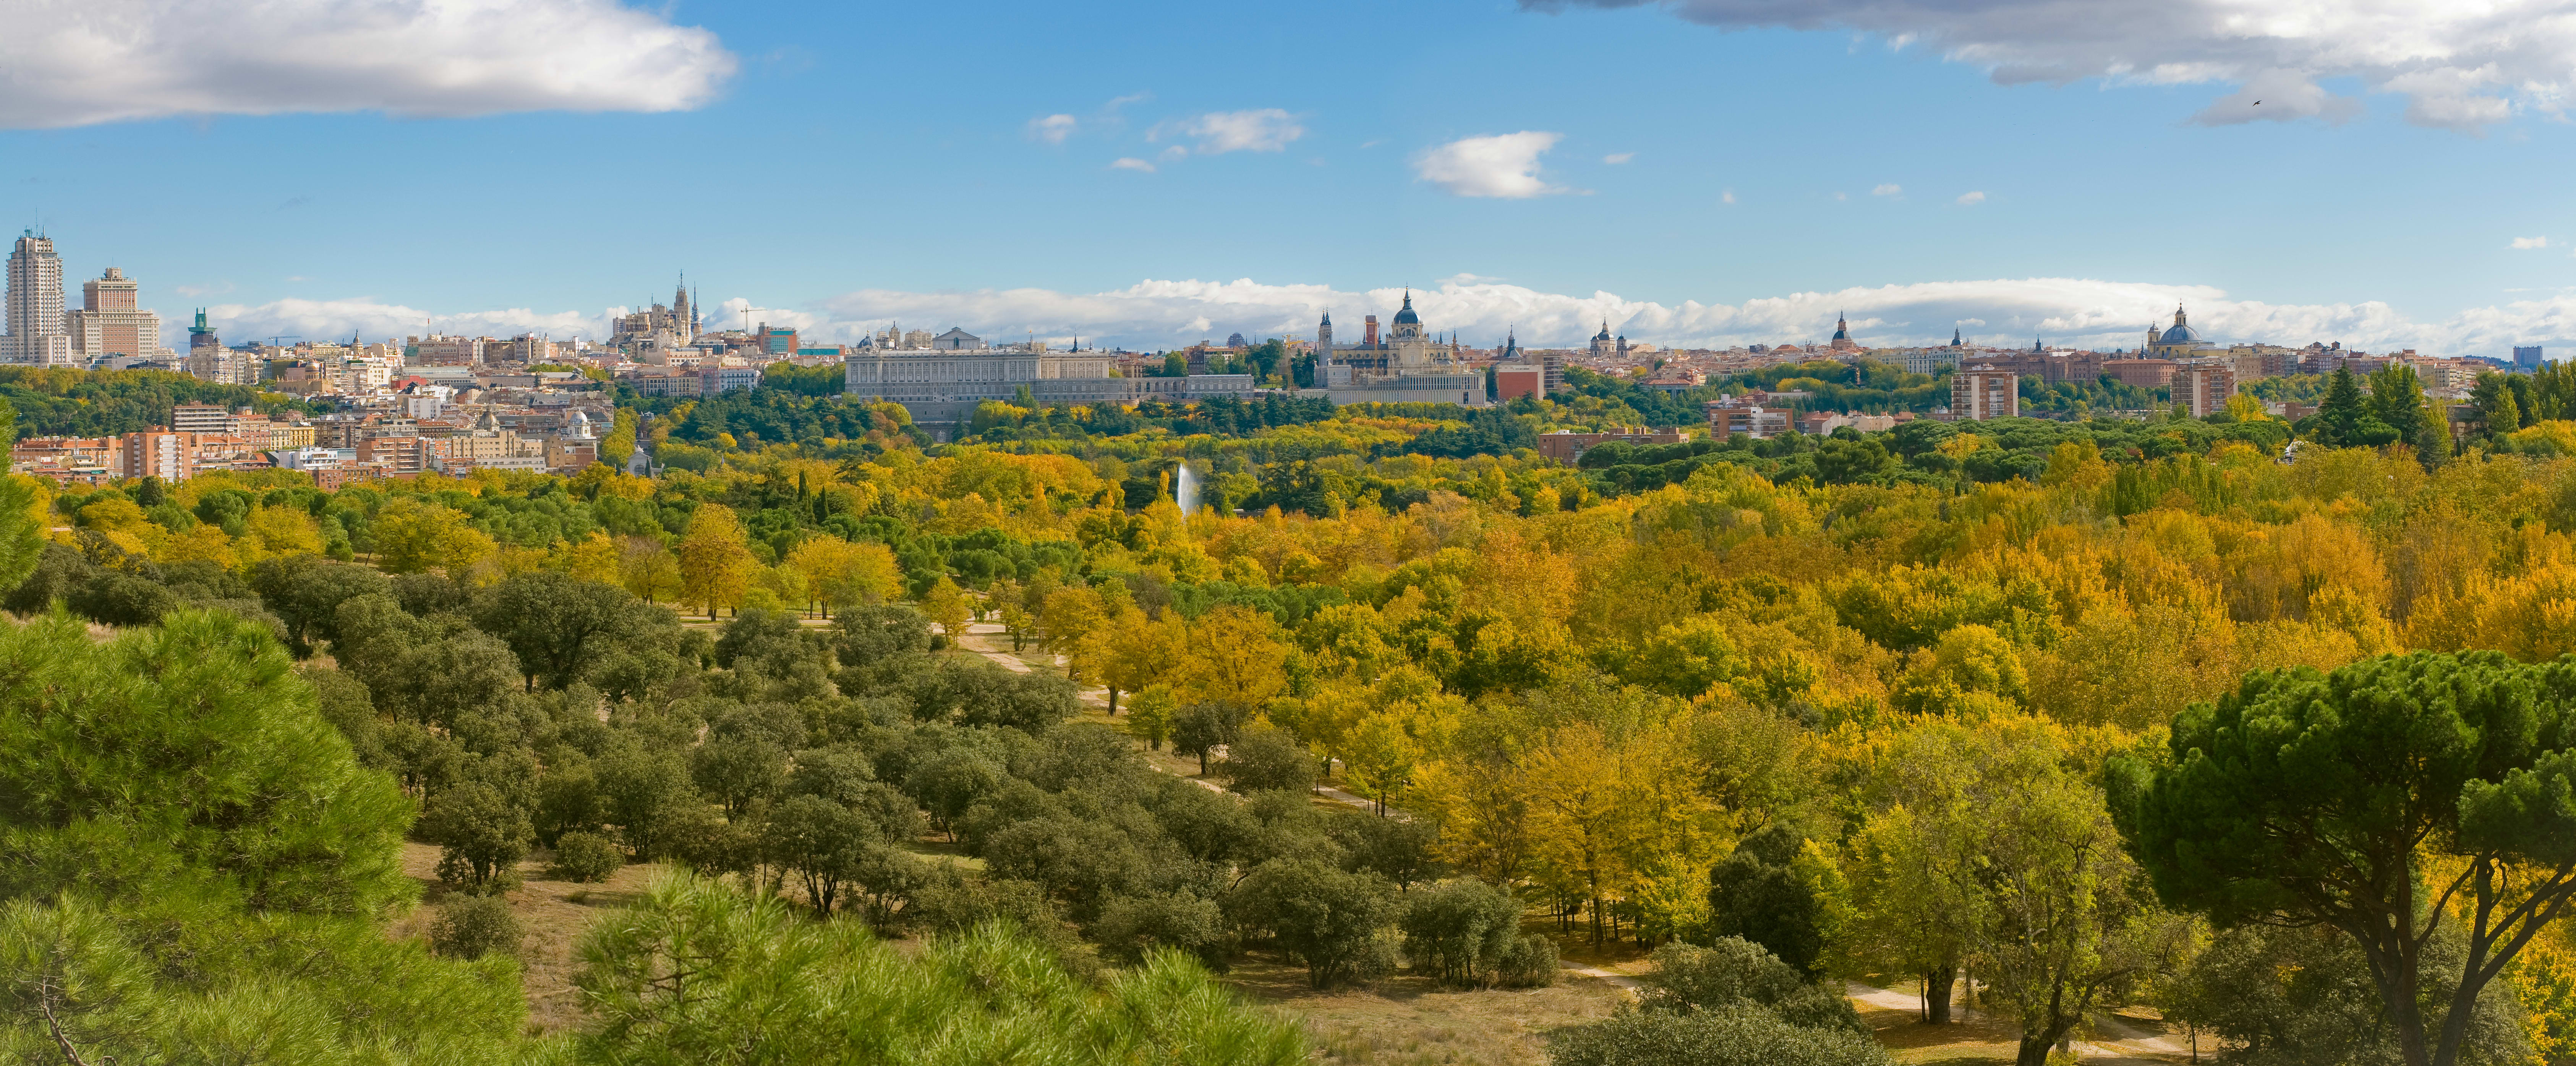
(1113, 705)
(2033, 1051)
(1936, 995)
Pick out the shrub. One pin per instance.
(587, 857)
(1730, 1036)
(473, 927)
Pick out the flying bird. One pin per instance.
(2258, 103)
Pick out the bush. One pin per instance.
(1131, 927)
(473, 927)
(1734, 972)
(587, 857)
(1731, 1036)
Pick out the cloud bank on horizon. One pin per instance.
(1169, 314)
(74, 64)
(2461, 66)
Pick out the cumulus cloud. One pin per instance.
(1503, 166)
(1131, 163)
(1218, 132)
(1617, 158)
(2521, 243)
(1052, 129)
(1970, 199)
(2460, 65)
(1163, 314)
(1888, 189)
(73, 64)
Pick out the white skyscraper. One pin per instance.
(35, 305)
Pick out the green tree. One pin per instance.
(2390, 799)
(1267, 758)
(697, 974)
(482, 833)
(1333, 922)
(1755, 894)
(2496, 405)
(190, 754)
(559, 625)
(1466, 934)
(306, 592)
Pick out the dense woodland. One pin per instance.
(2264, 726)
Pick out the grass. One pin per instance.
(1407, 1021)
(552, 912)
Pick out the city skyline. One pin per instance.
(1730, 180)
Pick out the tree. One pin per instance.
(484, 836)
(557, 624)
(162, 760)
(696, 973)
(715, 562)
(2494, 399)
(1204, 726)
(821, 843)
(648, 570)
(1129, 652)
(306, 594)
(1234, 656)
(1758, 894)
(1466, 933)
(21, 527)
(1150, 716)
(1265, 757)
(1327, 919)
(949, 606)
(2387, 799)
(415, 536)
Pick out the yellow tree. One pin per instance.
(1579, 827)
(1065, 621)
(1130, 651)
(946, 604)
(596, 558)
(715, 563)
(648, 569)
(821, 560)
(414, 536)
(1234, 656)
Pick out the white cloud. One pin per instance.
(1617, 158)
(1052, 129)
(1504, 166)
(1218, 132)
(1970, 199)
(1132, 163)
(1726, 197)
(1155, 313)
(73, 64)
(1888, 189)
(2530, 242)
(2460, 65)
(1841, 196)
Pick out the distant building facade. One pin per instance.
(1981, 392)
(34, 305)
(1407, 365)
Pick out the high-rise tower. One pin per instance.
(1324, 340)
(35, 304)
(111, 320)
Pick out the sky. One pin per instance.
(1696, 172)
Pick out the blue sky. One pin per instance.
(838, 166)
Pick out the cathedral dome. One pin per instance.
(1406, 317)
(2179, 335)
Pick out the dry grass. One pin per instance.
(552, 912)
(1405, 1021)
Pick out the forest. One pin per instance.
(847, 745)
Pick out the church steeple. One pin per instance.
(1842, 329)
(1956, 341)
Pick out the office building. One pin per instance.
(35, 305)
(111, 321)
(1981, 392)
(2526, 358)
